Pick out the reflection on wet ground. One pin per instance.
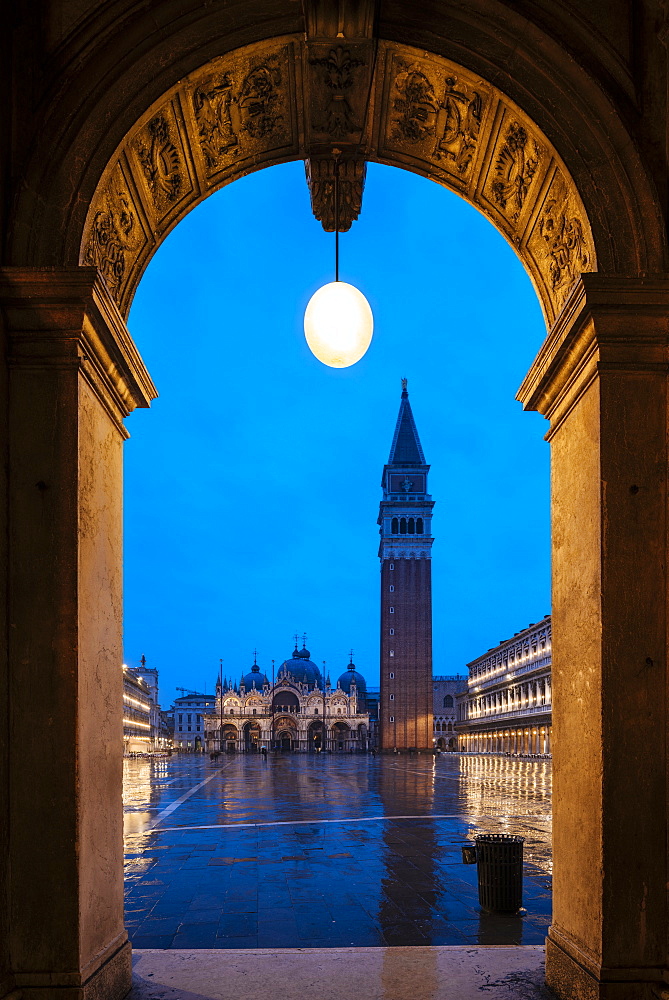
(328, 851)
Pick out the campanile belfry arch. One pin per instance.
(551, 121)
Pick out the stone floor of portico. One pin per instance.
(422, 973)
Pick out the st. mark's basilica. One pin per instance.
(292, 712)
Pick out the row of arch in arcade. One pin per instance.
(527, 740)
(287, 734)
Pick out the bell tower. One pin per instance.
(405, 551)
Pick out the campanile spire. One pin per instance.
(405, 552)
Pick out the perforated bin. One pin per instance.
(500, 872)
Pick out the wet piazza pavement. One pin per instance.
(328, 851)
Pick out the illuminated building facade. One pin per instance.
(137, 707)
(292, 713)
(445, 691)
(189, 715)
(508, 700)
(405, 551)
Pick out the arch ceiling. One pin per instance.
(273, 102)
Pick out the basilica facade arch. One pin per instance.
(126, 115)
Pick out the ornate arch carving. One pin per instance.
(247, 109)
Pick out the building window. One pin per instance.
(392, 589)
(419, 525)
(448, 701)
(181, 718)
(391, 675)
(189, 729)
(189, 718)
(392, 652)
(232, 711)
(403, 526)
(393, 527)
(392, 718)
(315, 711)
(391, 610)
(412, 526)
(392, 631)
(392, 697)
(392, 565)
(255, 711)
(181, 729)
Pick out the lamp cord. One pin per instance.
(336, 215)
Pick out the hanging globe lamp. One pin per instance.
(338, 320)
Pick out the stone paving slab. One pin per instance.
(422, 973)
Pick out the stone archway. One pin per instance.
(251, 733)
(157, 116)
(315, 736)
(285, 730)
(340, 736)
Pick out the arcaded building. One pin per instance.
(405, 551)
(301, 710)
(508, 702)
(445, 692)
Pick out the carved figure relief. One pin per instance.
(416, 107)
(115, 234)
(161, 163)
(450, 124)
(564, 239)
(337, 117)
(226, 109)
(462, 123)
(211, 103)
(259, 102)
(514, 170)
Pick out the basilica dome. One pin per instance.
(301, 667)
(254, 677)
(352, 676)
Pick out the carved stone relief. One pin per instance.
(298, 98)
(212, 101)
(338, 91)
(320, 178)
(242, 107)
(515, 166)
(560, 241)
(116, 236)
(433, 113)
(165, 170)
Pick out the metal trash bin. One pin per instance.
(500, 872)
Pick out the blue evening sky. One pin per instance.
(252, 484)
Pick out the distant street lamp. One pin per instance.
(338, 321)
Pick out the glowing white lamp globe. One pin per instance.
(338, 324)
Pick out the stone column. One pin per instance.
(73, 374)
(601, 379)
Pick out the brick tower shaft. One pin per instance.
(405, 551)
